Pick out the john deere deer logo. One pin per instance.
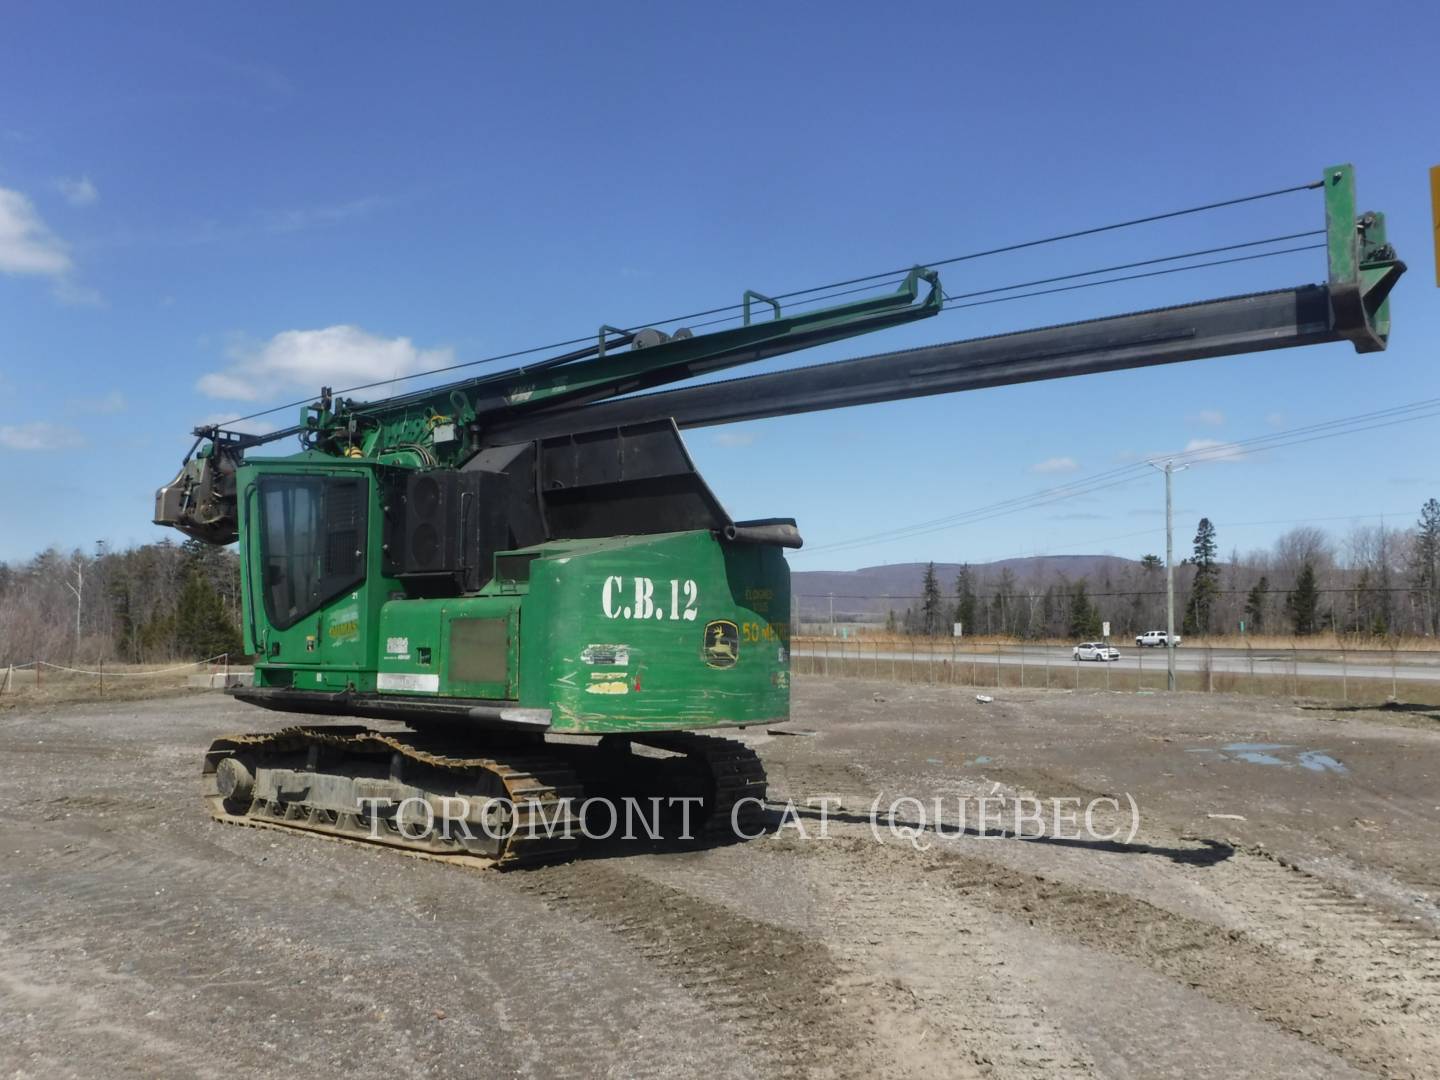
(722, 643)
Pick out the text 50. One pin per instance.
(641, 600)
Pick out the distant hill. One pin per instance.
(861, 595)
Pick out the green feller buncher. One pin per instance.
(515, 559)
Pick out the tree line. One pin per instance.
(149, 604)
(1374, 581)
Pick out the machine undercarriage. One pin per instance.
(526, 802)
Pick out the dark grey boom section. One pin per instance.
(1243, 324)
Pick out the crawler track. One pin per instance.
(351, 783)
(734, 776)
(535, 784)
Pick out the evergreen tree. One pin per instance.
(890, 625)
(965, 599)
(1151, 563)
(1255, 605)
(1084, 617)
(1303, 603)
(201, 626)
(1205, 586)
(1426, 569)
(932, 605)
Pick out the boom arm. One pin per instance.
(585, 390)
(1353, 307)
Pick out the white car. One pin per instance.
(1155, 639)
(1095, 650)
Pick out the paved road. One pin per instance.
(1411, 667)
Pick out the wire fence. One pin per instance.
(1353, 676)
(37, 675)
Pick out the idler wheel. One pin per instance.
(234, 782)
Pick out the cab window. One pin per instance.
(312, 542)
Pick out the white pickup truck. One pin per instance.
(1152, 639)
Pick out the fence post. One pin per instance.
(9, 675)
(1394, 692)
(1107, 670)
(102, 676)
(998, 647)
(1209, 670)
(1250, 655)
(1076, 665)
(37, 673)
(1344, 678)
(1294, 670)
(1022, 664)
(1047, 667)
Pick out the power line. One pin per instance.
(1143, 262)
(1218, 523)
(1380, 418)
(1131, 277)
(1056, 238)
(950, 297)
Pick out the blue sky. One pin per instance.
(205, 210)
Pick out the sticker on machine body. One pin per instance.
(608, 655)
(399, 680)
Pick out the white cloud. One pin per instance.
(27, 246)
(1213, 450)
(294, 220)
(79, 191)
(1211, 417)
(308, 359)
(69, 291)
(1055, 465)
(39, 435)
(735, 438)
(107, 405)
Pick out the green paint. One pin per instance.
(402, 431)
(651, 633)
(1363, 265)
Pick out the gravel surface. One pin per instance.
(1276, 912)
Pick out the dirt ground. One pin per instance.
(1275, 914)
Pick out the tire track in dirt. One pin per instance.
(778, 991)
(949, 981)
(178, 926)
(1388, 965)
(1392, 963)
(921, 991)
(1328, 1003)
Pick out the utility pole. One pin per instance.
(1169, 470)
